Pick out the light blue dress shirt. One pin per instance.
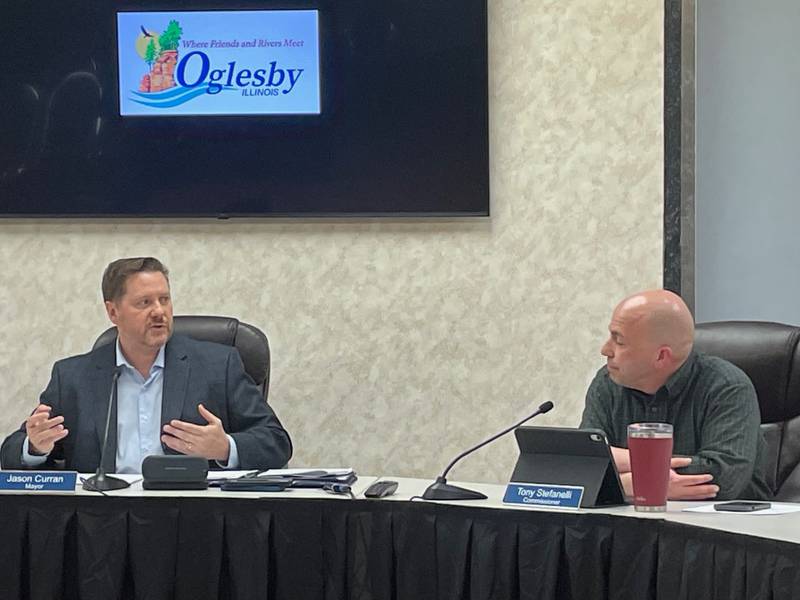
(138, 413)
(138, 418)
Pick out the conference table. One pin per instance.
(310, 544)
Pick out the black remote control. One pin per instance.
(381, 489)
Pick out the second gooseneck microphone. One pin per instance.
(441, 490)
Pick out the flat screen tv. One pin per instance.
(244, 109)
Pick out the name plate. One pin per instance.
(38, 481)
(539, 494)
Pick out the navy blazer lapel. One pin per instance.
(100, 391)
(176, 379)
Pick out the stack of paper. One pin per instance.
(312, 478)
(274, 480)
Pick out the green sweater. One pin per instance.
(713, 409)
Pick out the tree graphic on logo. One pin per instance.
(151, 54)
(160, 52)
(171, 36)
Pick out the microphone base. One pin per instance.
(104, 483)
(441, 490)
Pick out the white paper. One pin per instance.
(321, 471)
(777, 508)
(226, 474)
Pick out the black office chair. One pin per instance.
(250, 341)
(768, 353)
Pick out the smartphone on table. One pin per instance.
(741, 506)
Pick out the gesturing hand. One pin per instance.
(42, 431)
(208, 441)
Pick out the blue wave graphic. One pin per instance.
(175, 91)
(172, 97)
(168, 102)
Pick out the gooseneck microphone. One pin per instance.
(100, 482)
(441, 490)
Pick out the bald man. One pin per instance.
(652, 374)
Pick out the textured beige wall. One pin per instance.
(397, 344)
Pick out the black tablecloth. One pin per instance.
(197, 548)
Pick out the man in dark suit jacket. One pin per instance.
(208, 406)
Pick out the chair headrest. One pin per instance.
(250, 341)
(767, 353)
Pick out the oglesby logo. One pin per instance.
(171, 79)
